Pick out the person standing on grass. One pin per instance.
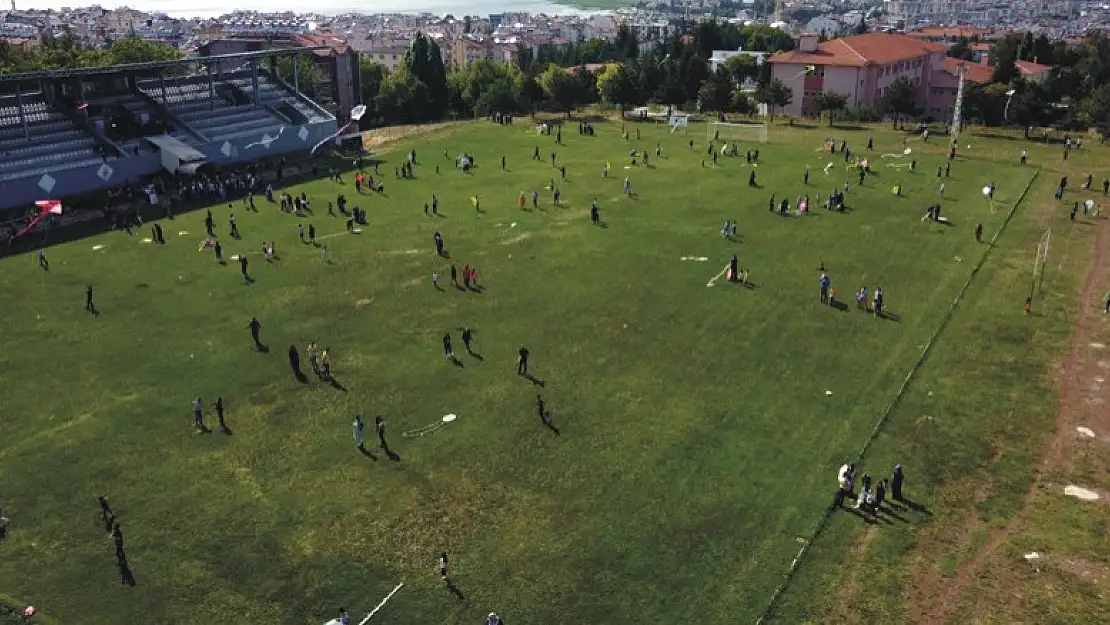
(541, 408)
(896, 483)
(356, 428)
(443, 566)
(45, 264)
(467, 337)
(435, 280)
(89, 306)
(234, 230)
(880, 494)
(438, 239)
(220, 413)
(209, 224)
(300, 231)
(198, 413)
(219, 250)
(379, 427)
(535, 199)
(824, 284)
(312, 234)
(435, 204)
(255, 327)
(522, 361)
(878, 301)
(978, 233)
(595, 216)
(447, 352)
(243, 266)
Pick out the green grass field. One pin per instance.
(698, 439)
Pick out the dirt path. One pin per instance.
(1081, 404)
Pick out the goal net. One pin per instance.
(726, 131)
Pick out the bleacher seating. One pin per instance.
(214, 117)
(54, 142)
(270, 92)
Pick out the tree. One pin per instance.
(616, 84)
(960, 50)
(1004, 55)
(774, 94)
(830, 102)
(1095, 108)
(741, 103)
(742, 68)
(403, 99)
(309, 78)
(900, 99)
(424, 62)
(371, 76)
(133, 49)
(560, 87)
(716, 93)
(627, 46)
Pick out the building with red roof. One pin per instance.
(861, 68)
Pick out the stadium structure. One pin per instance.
(66, 133)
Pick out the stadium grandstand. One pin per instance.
(68, 133)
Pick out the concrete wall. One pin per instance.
(72, 182)
(290, 140)
(82, 180)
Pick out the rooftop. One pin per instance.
(977, 73)
(860, 51)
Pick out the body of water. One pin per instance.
(208, 8)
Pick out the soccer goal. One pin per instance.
(743, 132)
(1036, 287)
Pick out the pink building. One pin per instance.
(861, 68)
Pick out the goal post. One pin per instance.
(755, 132)
(1036, 285)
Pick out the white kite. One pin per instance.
(1006, 111)
(679, 121)
(356, 114)
(266, 140)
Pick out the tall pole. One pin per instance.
(957, 112)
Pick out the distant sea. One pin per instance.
(212, 8)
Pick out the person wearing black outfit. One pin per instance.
(522, 361)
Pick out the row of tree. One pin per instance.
(675, 71)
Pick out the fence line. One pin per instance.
(788, 577)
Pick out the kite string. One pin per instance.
(32, 223)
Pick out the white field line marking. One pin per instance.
(717, 277)
(336, 234)
(379, 606)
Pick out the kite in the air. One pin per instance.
(46, 207)
(356, 114)
(808, 70)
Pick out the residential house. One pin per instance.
(861, 68)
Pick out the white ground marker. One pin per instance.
(1081, 493)
(1084, 431)
(379, 606)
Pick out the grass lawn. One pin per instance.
(697, 440)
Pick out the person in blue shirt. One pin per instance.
(824, 282)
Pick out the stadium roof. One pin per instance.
(151, 65)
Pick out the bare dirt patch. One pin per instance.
(935, 597)
(382, 137)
